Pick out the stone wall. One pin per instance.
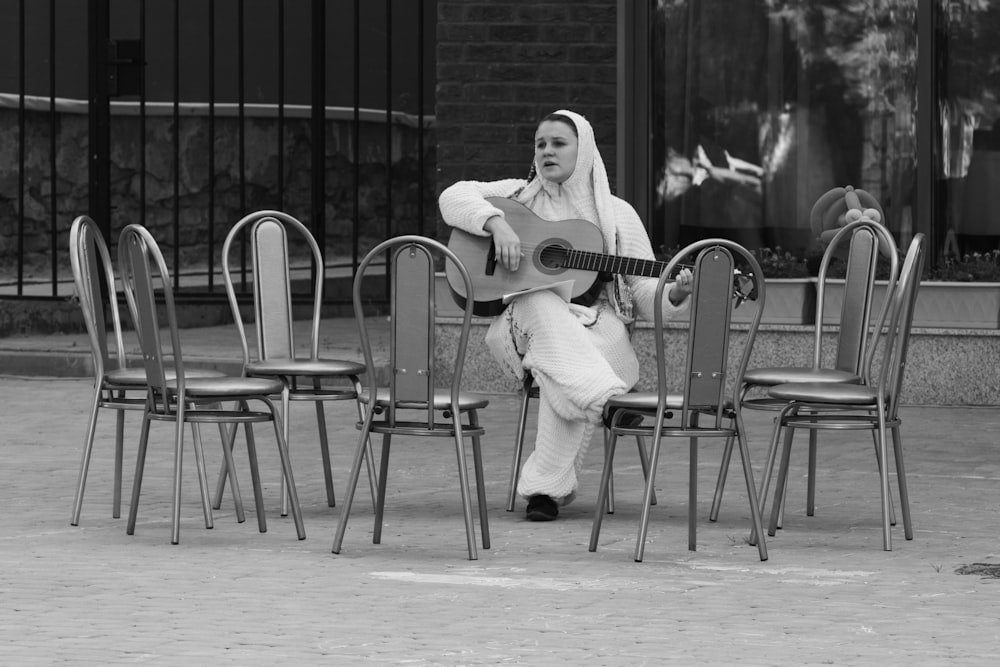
(501, 66)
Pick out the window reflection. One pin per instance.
(970, 126)
(760, 107)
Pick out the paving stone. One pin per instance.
(828, 594)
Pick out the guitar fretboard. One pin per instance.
(593, 261)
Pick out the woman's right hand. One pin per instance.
(505, 241)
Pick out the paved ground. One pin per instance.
(827, 595)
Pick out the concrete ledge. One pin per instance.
(944, 366)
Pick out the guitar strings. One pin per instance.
(652, 267)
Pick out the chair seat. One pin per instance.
(825, 392)
(136, 376)
(126, 377)
(229, 386)
(774, 376)
(310, 367)
(647, 402)
(442, 400)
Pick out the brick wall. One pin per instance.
(501, 66)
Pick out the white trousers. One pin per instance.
(579, 357)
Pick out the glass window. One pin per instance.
(969, 108)
(759, 107)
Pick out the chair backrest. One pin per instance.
(94, 277)
(706, 370)
(143, 273)
(863, 239)
(412, 382)
(268, 234)
(897, 336)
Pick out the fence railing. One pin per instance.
(314, 107)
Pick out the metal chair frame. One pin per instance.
(268, 234)
(411, 403)
(863, 239)
(174, 397)
(116, 386)
(871, 405)
(703, 393)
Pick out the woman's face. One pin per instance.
(555, 150)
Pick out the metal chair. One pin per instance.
(415, 403)
(704, 385)
(175, 397)
(873, 404)
(306, 378)
(860, 242)
(117, 386)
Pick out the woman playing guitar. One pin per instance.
(579, 355)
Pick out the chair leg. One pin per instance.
(515, 467)
(383, 476)
(116, 503)
(229, 470)
(175, 536)
(140, 463)
(692, 494)
(904, 496)
(227, 435)
(784, 504)
(772, 452)
(610, 440)
(611, 484)
(757, 531)
(88, 447)
(784, 495)
(324, 447)
(647, 498)
(363, 451)
(644, 460)
(463, 481)
(779, 486)
(258, 491)
(286, 418)
(727, 457)
(811, 477)
(199, 459)
(883, 460)
(720, 483)
(286, 474)
(369, 452)
(477, 460)
(892, 508)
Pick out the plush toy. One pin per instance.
(839, 206)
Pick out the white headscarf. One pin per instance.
(590, 191)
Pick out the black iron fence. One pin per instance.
(184, 115)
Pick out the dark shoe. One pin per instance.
(541, 508)
(628, 421)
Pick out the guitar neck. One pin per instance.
(593, 261)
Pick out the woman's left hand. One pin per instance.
(682, 286)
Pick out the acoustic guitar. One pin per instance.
(553, 251)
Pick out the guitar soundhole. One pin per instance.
(552, 257)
